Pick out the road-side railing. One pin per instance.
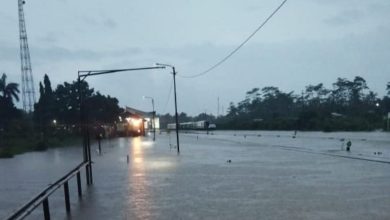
(43, 197)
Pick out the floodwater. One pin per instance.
(272, 175)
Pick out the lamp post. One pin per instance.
(82, 75)
(153, 117)
(176, 115)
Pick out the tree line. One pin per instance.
(350, 105)
(55, 118)
(63, 105)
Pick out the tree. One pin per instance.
(358, 86)
(45, 108)
(68, 102)
(8, 91)
(348, 106)
(341, 92)
(102, 109)
(183, 117)
(204, 116)
(232, 110)
(316, 93)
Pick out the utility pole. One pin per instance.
(28, 91)
(176, 115)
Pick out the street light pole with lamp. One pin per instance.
(82, 75)
(176, 115)
(153, 117)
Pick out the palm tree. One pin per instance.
(8, 91)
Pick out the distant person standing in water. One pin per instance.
(295, 134)
(349, 144)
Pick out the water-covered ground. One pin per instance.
(272, 175)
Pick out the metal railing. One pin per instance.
(43, 197)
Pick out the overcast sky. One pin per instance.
(306, 42)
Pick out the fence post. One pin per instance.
(79, 184)
(66, 192)
(46, 210)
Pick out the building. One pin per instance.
(146, 116)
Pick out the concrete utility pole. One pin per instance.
(176, 115)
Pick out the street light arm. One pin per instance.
(162, 64)
(86, 73)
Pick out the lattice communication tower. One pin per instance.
(28, 91)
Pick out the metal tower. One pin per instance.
(28, 91)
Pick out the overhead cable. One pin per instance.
(169, 96)
(237, 48)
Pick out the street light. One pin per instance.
(81, 76)
(153, 115)
(176, 115)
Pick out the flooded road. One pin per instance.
(271, 176)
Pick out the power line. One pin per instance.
(169, 97)
(237, 48)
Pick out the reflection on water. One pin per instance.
(140, 195)
(156, 183)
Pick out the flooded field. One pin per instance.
(223, 175)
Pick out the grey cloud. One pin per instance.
(290, 65)
(59, 54)
(62, 54)
(346, 17)
(126, 51)
(50, 38)
(337, 2)
(109, 23)
(7, 17)
(379, 9)
(8, 53)
(100, 21)
(89, 20)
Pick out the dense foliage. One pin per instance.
(56, 115)
(8, 93)
(349, 105)
(62, 106)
